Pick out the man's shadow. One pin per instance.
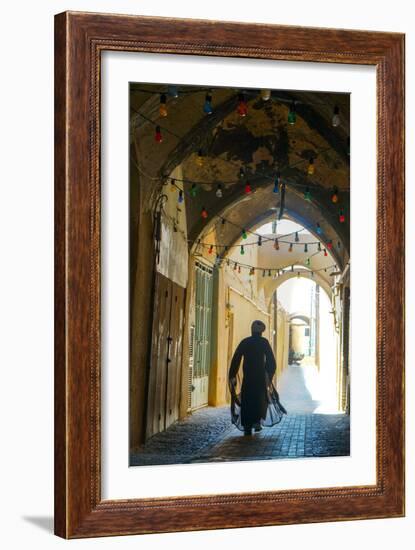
(43, 522)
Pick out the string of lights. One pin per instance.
(260, 239)
(271, 271)
(204, 213)
(276, 178)
(279, 185)
(174, 92)
(219, 258)
(245, 232)
(277, 241)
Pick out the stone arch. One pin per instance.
(300, 316)
(274, 284)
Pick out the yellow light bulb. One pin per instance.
(310, 169)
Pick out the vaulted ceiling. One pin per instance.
(262, 143)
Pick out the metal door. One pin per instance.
(202, 335)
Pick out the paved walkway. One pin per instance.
(208, 436)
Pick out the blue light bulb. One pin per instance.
(207, 107)
(173, 91)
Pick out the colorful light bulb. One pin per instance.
(219, 193)
(330, 245)
(276, 244)
(342, 217)
(335, 195)
(269, 273)
(242, 108)
(180, 198)
(210, 249)
(260, 241)
(310, 168)
(204, 213)
(207, 106)
(239, 267)
(319, 247)
(200, 158)
(290, 248)
(318, 229)
(244, 235)
(235, 265)
(292, 115)
(307, 194)
(336, 117)
(248, 188)
(163, 106)
(325, 252)
(308, 262)
(277, 183)
(193, 190)
(173, 91)
(158, 137)
(306, 247)
(242, 249)
(265, 95)
(297, 238)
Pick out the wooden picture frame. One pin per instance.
(79, 40)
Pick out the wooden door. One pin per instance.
(163, 398)
(175, 352)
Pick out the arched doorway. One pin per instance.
(312, 362)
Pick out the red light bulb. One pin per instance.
(242, 108)
(247, 188)
(158, 137)
(204, 213)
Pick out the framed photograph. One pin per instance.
(229, 275)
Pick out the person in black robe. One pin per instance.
(255, 402)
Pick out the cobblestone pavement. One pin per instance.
(297, 435)
(208, 435)
(185, 440)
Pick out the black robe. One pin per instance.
(256, 401)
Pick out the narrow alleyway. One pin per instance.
(208, 435)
